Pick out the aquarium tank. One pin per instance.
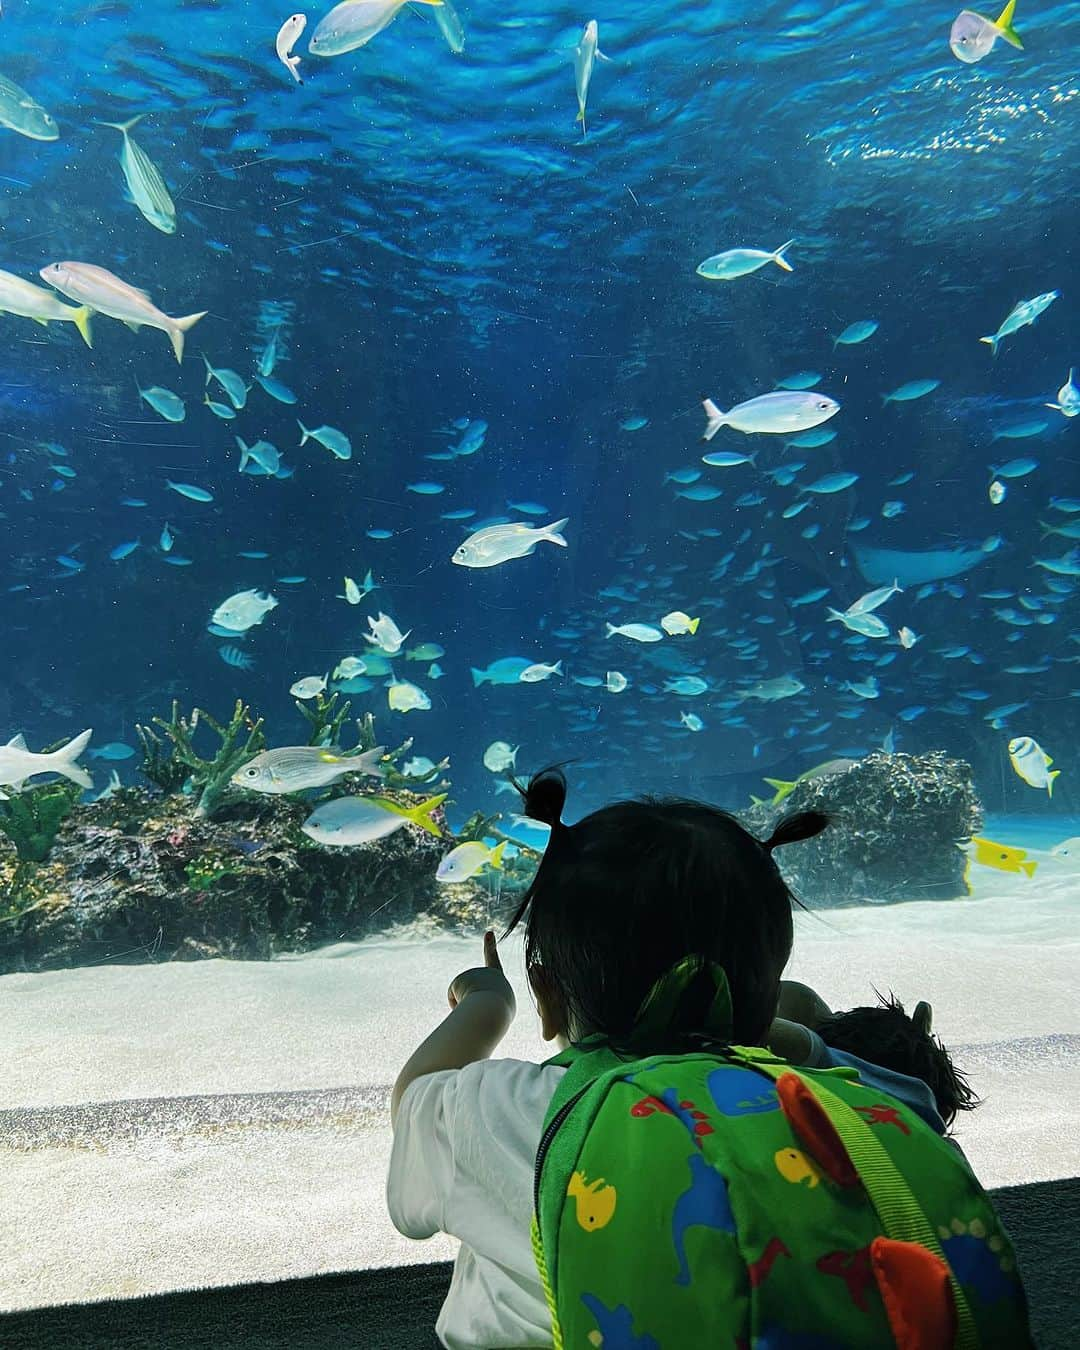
(398, 399)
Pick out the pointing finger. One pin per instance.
(491, 955)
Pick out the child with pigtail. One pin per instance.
(688, 1170)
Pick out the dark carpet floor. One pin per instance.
(395, 1309)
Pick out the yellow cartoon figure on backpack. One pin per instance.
(595, 1201)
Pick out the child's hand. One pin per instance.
(488, 978)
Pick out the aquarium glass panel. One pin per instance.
(400, 400)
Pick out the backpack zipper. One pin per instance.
(546, 1138)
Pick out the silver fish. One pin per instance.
(288, 36)
(973, 35)
(145, 184)
(23, 114)
(102, 291)
(585, 57)
(293, 768)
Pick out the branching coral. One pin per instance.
(241, 739)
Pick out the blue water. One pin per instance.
(436, 241)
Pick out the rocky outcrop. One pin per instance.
(897, 823)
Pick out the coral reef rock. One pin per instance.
(898, 822)
(143, 877)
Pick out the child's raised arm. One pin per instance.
(482, 1006)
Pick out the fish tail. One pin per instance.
(1004, 25)
(992, 342)
(306, 434)
(714, 419)
(778, 257)
(81, 320)
(125, 127)
(63, 760)
(1029, 868)
(180, 327)
(421, 815)
(1054, 773)
(693, 626)
(478, 677)
(552, 535)
(611, 630)
(497, 856)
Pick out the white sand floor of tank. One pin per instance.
(103, 1211)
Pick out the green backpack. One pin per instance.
(723, 1199)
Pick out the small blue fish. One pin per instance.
(856, 332)
(379, 534)
(726, 459)
(700, 492)
(802, 379)
(190, 491)
(122, 551)
(276, 389)
(1016, 468)
(531, 508)
(425, 489)
(912, 390)
(832, 482)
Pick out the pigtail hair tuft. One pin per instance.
(545, 796)
(792, 829)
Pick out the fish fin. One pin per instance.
(180, 327)
(132, 324)
(18, 741)
(757, 801)
(125, 127)
(1050, 781)
(478, 677)
(306, 433)
(497, 855)
(1004, 25)
(328, 757)
(611, 630)
(81, 319)
(779, 259)
(1056, 406)
(421, 815)
(714, 419)
(601, 57)
(64, 759)
(1029, 868)
(37, 319)
(552, 535)
(693, 626)
(993, 343)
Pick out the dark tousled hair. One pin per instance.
(633, 888)
(886, 1035)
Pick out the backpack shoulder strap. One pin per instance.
(898, 1209)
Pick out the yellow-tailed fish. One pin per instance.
(100, 290)
(1006, 859)
(35, 302)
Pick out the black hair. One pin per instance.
(630, 890)
(886, 1035)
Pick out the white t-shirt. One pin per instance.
(463, 1159)
(465, 1143)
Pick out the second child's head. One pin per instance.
(632, 889)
